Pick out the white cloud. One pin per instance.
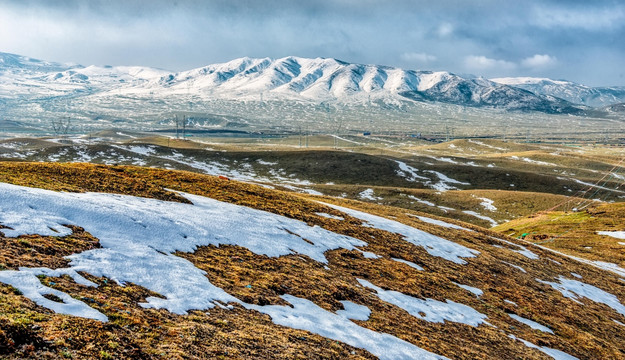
(539, 61)
(580, 18)
(418, 57)
(483, 63)
(445, 29)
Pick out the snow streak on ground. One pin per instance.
(488, 204)
(521, 249)
(368, 194)
(429, 309)
(531, 161)
(474, 290)
(574, 289)
(614, 234)
(408, 172)
(444, 182)
(409, 263)
(434, 245)
(515, 266)
(31, 287)
(329, 216)
(486, 145)
(480, 216)
(438, 222)
(556, 354)
(425, 202)
(530, 323)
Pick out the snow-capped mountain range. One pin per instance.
(32, 92)
(323, 79)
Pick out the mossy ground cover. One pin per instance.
(584, 329)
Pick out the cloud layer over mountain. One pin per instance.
(576, 40)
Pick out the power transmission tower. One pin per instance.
(62, 125)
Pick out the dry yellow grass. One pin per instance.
(584, 330)
(575, 233)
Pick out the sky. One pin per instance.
(581, 41)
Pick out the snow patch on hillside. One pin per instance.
(614, 234)
(554, 353)
(531, 323)
(409, 172)
(368, 194)
(574, 289)
(429, 309)
(438, 222)
(306, 315)
(125, 226)
(434, 245)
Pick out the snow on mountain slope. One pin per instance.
(569, 91)
(24, 63)
(330, 79)
(28, 78)
(289, 78)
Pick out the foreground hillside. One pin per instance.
(173, 264)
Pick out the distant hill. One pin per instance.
(567, 90)
(616, 108)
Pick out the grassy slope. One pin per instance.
(575, 233)
(586, 331)
(450, 204)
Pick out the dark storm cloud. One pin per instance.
(578, 40)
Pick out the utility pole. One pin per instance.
(176, 119)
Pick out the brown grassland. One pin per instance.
(582, 328)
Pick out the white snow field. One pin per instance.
(139, 235)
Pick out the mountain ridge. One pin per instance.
(287, 78)
(573, 92)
